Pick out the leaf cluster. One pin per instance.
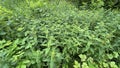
(45, 34)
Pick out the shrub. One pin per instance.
(50, 35)
(108, 4)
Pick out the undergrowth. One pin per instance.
(44, 34)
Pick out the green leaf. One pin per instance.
(2, 33)
(84, 65)
(26, 61)
(23, 66)
(105, 65)
(113, 65)
(110, 56)
(116, 55)
(8, 43)
(91, 65)
(76, 64)
(83, 57)
(20, 29)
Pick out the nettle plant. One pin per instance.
(96, 4)
(50, 35)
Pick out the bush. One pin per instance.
(107, 4)
(50, 35)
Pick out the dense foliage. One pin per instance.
(107, 4)
(56, 34)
